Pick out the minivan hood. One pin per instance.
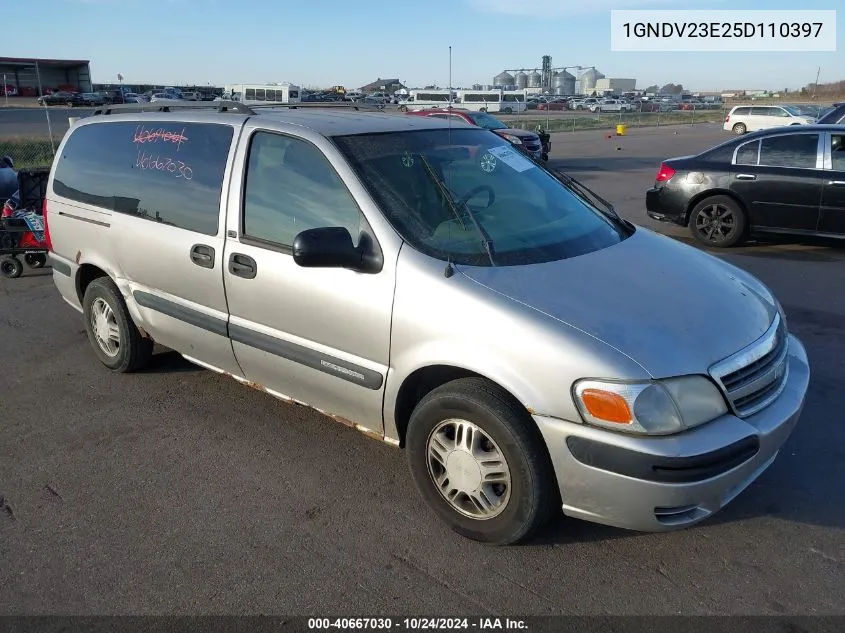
(670, 307)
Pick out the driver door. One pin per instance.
(320, 336)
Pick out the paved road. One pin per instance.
(33, 121)
(177, 490)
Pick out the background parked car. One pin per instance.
(835, 115)
(742, 119)
(69, 99)
(92, 99)
(554, 104)
(611, 105)
(529, 142)
(787, 180)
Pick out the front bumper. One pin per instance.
(656, 484)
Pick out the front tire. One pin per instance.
(740, 129)
(116, 339)
(479, 461)
(718, 222)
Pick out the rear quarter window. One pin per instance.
(167, 172)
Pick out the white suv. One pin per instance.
(742, 119)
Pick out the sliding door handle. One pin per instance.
(746, 177)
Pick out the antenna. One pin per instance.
(450, 75)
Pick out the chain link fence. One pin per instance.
(30, 136)
(567, 121)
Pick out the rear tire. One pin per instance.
(739, 129)
(11, 267)
(116, 339)
(718, 222)
(35, 260)
(479, 461)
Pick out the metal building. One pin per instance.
(22, 75)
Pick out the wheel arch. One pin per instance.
(85, 274)
(426, 379)
(712, 193)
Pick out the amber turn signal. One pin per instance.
(606, 406)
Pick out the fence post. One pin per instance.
(46, 111)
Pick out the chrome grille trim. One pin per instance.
(755, 376)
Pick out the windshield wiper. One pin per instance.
(486, 241)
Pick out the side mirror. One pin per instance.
(328, 247)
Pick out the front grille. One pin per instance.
(753, 377)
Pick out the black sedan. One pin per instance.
(835, 116)
(788, 180)
(69, 99)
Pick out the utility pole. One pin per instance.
(816, 86)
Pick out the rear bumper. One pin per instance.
(666, 205)
(656, 484)
(64, 278)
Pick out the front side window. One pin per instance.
(451, 194)
(165, 171)
(291, 187)
(792, 150)
(250, 94)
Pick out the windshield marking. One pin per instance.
(510, 158)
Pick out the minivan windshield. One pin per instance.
(467, 196)
(793, 110)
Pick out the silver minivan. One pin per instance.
(424, 282)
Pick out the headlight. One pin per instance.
(513, 139)
(657, 407)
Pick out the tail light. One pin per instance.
(46, 226)
(665, 173)
(728, 119)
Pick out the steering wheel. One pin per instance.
(491, 195)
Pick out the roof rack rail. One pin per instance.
(170, 106)
(225, 106)
(353, 105)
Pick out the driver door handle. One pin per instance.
(202, 255)
(836, 183)
(746, 177)
(241, 265)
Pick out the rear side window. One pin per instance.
(167, 172)
(742, 112)
(793, 150)
(747, 153)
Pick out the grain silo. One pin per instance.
(521, 80)
(564, 83)
(589, 79)
(535, 80)
(503, 79)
